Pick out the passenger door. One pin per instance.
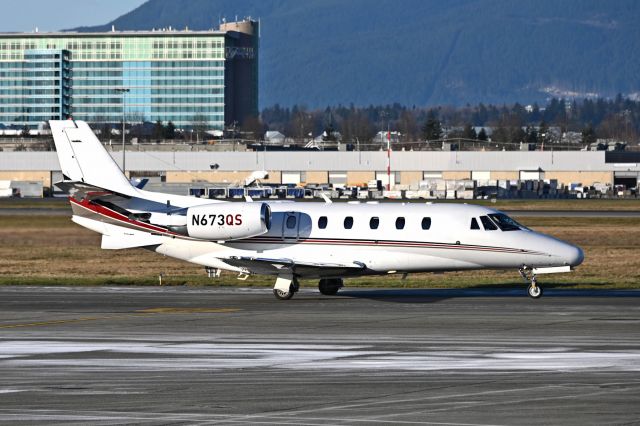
(290, 226)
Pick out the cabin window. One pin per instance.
(400, 223)
(488, 224)
(348, 222)
(474, 223)
(374, 222)
(322, 222)
(426, 223)
(291, 222)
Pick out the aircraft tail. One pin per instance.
(83, 159)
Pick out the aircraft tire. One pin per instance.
(535, 292)
(283, 295)
(330, 287)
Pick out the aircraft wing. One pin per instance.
(305, 268)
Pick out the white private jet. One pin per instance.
(327, 241)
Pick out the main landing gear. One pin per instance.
(330, 286)
(534, 291)
(287, 285)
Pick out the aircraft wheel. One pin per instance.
(330, 287)
(283, 295)
(534, 291)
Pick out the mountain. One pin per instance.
(424, 52)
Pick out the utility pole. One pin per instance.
(384, 114)
(124, 92)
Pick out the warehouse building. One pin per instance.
(203, 78)
(409, 169)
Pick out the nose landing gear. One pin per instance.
(534, 291)
(286, 286)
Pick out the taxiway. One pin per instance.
(227, 356)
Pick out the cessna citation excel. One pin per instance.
(289, 240)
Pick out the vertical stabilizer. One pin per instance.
(83, 158)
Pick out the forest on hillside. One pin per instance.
(617, 119)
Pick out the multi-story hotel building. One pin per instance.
(185, 77)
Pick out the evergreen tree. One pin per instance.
(589, 135)
(501, 134)
(469, 132)
(543, 132)
(532, 135)
(432, 129)
(482, 135)
(518, 135)
(170, 131)
(158, 130)
(408, 126)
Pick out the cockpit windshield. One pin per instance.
(506, 223)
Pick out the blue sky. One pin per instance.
(53, 15)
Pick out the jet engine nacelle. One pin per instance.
(228, 221)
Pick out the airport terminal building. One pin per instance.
(187, 77)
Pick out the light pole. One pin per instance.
(123, 91)
(384, 114)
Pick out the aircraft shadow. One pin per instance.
(417, 295)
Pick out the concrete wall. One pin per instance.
(410, 178)
(567, 167)
(585, 178)
(42, 176)
(505, 175)
(317, 177)
(322, 177)
(466, 174)
(360, 178)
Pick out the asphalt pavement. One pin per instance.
(184, 355)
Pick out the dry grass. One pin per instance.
(53, 250)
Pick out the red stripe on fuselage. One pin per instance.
(111, 214)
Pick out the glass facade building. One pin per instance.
(191, 78)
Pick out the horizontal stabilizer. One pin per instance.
(116, 237)
(129, 240)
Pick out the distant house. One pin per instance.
(381, 137)
(608, 145)
(274, 137)
(324, 136)
(487, 130)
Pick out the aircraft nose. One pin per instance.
(573, 255)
